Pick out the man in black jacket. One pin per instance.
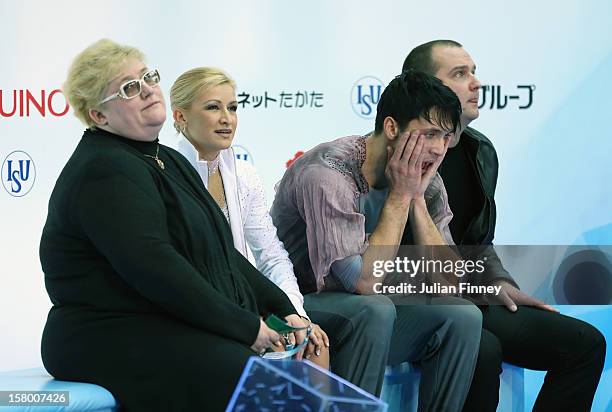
(517, 328)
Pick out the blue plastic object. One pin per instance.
(292, 386)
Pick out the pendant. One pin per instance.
(160, 164)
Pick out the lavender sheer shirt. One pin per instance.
(317, 211)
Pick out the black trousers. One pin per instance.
(571, 351)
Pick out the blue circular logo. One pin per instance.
(365, 95)
(18, 173)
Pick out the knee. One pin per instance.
(379, 309)
(594, 342)
(378, 315)
(466, 318)
(464, 327)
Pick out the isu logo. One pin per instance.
(18, 173)
(365, 96)
(25, 102)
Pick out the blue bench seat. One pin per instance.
(83, 397)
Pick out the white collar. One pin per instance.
(227, 168)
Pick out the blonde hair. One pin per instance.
(90, 73)
(189, 84)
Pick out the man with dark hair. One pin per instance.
(526, 332)
(347, 202)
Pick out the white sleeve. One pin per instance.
(270, 255)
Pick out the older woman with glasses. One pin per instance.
(146, 303)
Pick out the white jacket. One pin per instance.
(252, 228)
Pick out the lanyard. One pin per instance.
(288, 353)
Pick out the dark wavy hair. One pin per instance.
(415, 94)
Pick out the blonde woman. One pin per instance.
(204, 108)
(146, 303)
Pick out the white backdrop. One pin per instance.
(554, 181)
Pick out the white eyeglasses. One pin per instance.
(133, 88)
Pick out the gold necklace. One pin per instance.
(160, 163)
